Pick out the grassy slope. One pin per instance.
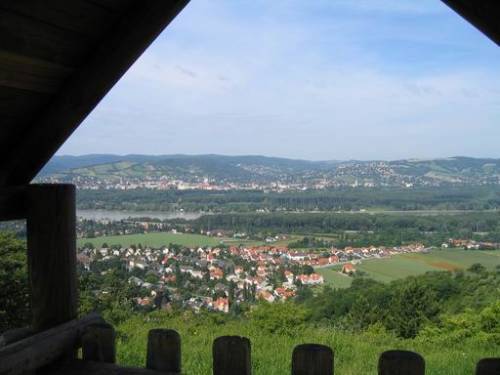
(400, 266)
(355, 354)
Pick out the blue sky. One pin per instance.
(319, 80)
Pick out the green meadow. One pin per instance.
(155, 239)
(159, 239)
(355, 353)
(400, 266)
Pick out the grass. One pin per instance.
(159, 239)
(404, 265)
(156, 239)
(355, 353)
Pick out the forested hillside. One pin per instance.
(260, 170)
(344, 199)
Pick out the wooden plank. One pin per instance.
(129, 38)
(32, 38)
(19, 103)
(79, 16)
(401, 362)
(483, 14)
(78, 367)
(488, 366)
(13, 203)
(312, 359)
(117, 6)
(31, 74)
(52, 253)
(43, 348)
(231, 356)
(98, 343)
(164, 351)
(13, 335)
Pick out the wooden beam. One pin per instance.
(79, 16)
(43, 348)
(128, 39)
(483, 14)
(13, 203)
(31, 74)
(52, 253)
(26, 36)
(16, 334)
(79, 367)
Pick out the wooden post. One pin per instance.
(164, 351)
(231, 356)
(98, 343)
(401, 362)
(51, 227)
(312, 359)
(488, 366)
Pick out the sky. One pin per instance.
(317, 80)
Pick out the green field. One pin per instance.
(404, 265)
(355, 353)
(156, 239)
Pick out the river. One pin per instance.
(120, 215)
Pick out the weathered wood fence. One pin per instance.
(231, 354)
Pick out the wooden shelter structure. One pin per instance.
(58, 59)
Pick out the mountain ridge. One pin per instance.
(110, 169)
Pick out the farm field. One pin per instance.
(156, 239)
(404, 265)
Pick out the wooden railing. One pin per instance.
(49, 352)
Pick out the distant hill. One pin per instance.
(218, 169)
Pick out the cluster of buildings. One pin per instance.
(218, 278)
(471, 244)
(172, 183)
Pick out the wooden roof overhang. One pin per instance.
(58, 59)
(483, 14)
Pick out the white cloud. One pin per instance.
(230, 78)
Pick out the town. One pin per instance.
(225, 278)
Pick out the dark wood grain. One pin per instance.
(488, 366)
(231, 356)
(101, 69)
(51, 228)
(79, 367)
(43, 348)
(401, 362)
(312, 359)
(13, 203)
(79, 16)
(31, 74)
(29, 37)
(98, 343)
(164, 351)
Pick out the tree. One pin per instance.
(307, 269)
(413, 304)
(477, 268)
(14, 288)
